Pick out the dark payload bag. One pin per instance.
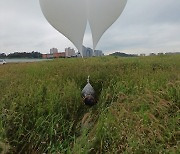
(88, 94)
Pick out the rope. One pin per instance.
(88, 79)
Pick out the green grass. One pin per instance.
(137, 111)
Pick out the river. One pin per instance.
(24, 60)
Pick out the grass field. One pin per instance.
(137, 112)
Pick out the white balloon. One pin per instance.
(68, 17)
(102, 14)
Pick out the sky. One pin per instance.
(145, 26)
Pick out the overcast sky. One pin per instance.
(145, 26)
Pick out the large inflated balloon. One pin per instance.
(68, 17)
(102, 14)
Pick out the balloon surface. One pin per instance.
(68, 17)
(102, 14)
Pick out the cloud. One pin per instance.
(145, 26)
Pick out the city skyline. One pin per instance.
(144, 27)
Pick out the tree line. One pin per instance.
(123, 54)
(32, 54)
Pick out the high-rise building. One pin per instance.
(87, 52)
(83, 51)
(53, 50)
(69, 52)
(98, 53)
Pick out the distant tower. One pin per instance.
(87, 52)
(53, 50)
(69, 52)
(98, 53)
(84, 49)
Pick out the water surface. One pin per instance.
(24, 60)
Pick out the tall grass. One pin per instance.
(137, 110)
